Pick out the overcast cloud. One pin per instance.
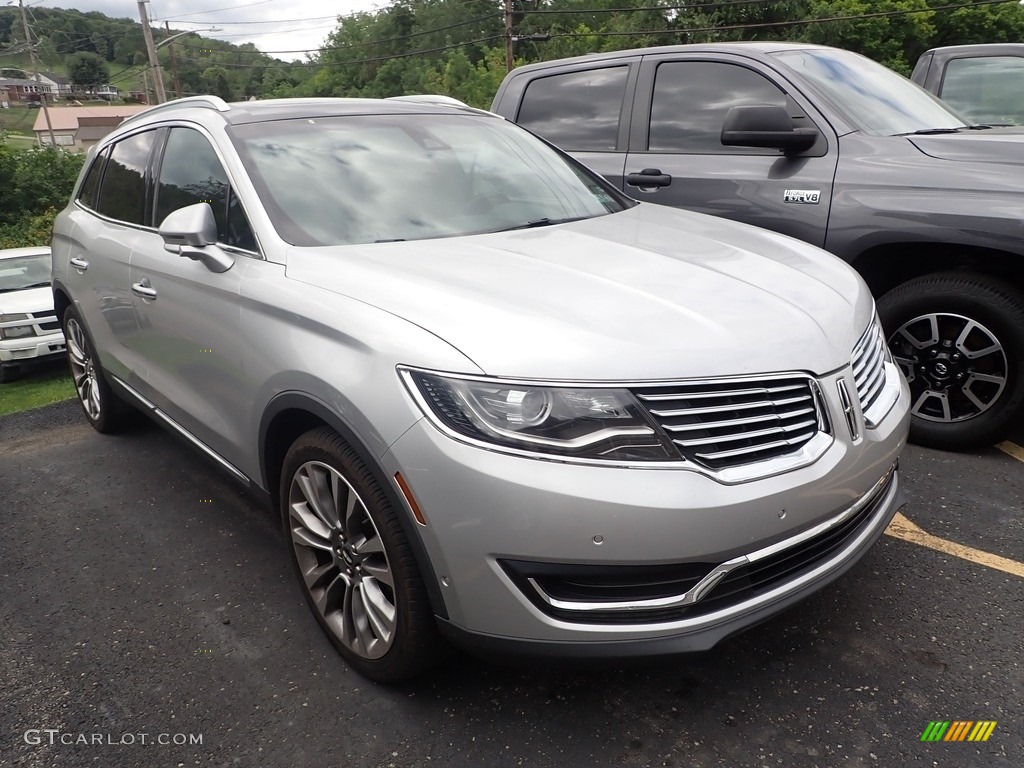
(282, 28)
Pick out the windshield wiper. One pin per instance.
(542, 222)
(25, 287)
(929, 131)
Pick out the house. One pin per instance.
(61, 83)
(18, 89)
(81, 127)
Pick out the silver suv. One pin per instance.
(492, 398)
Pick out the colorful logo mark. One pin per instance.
(958, 730)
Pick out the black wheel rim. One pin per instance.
(955, 365)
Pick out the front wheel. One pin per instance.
(354, 562)
(959, 339)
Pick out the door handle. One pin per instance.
(649, 177)
(144, 289)
(80, 264)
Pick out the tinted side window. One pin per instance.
(691, 99)
(577, 110)
(123, 192)
(192, 173)
(989, 89)
(87, 196)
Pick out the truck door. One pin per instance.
(584, 112)
(676, 156)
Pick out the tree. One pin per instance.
(215, 81)
(86, 70)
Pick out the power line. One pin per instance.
(218, 10)
(765, 24)
(402, 38)
(315, 64)
(691, 6)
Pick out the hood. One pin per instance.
(998, 145)
(23, 302)
(648, 293)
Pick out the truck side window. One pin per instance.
(691, 99)
(576, 110)
(986, 89)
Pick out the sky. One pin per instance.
(282, 28)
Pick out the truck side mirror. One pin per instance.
(765, 126)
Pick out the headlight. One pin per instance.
(579, 422)
(17, 331)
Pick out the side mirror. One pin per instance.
(765, 126)
(192, 232)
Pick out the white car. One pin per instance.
(29, 330)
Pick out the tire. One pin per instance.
(104, 410)
(353, 561)
(959, 339)
(10, 373)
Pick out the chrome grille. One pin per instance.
(727, 423)
(868, 368)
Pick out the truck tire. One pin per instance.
(959, 339)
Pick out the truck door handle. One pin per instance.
(649, 177)
(144, 289)
(78, 263)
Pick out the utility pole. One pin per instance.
(174, 63)
(35, 71)
(154, 62)
(508, 35)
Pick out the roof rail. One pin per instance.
(430, 98)
(208, 102)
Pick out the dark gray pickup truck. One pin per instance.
(832, 148)
(985, 83)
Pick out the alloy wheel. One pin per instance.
(83, 370)
(342, 560)
(956, 367)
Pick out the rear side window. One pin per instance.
(988, 89)
(576, 110)
(87, 196)
(123, 192)
(691, 99)
(192, 173)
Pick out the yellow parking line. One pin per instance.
(1011, 449)
(902, 528)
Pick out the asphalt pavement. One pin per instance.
(148, 617)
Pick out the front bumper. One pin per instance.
(492, 517)
(16, 352)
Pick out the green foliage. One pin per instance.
(86, 70)
(369, 54)
(49, 384)
(34, 185)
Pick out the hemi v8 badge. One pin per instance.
(806, 196)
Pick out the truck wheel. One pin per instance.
(354, 562)
(959, 339)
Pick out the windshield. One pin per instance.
(875, 99)
(382, 178)
(21, 272)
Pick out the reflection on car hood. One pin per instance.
(998, 145)
(648, 293)
(23, 302)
